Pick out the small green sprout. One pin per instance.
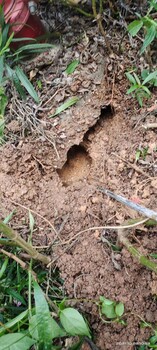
(140, 86)
(141, 153)
(112, 310)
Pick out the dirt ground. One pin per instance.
(54, 166)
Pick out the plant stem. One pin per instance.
(13, 235)
(143, 260)
(98, 18)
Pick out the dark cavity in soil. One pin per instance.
(79, 161)
(107, 112)
(76, 167)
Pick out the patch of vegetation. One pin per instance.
(10, 71)
(140, 86)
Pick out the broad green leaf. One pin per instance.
(72, 66)
(13, 322)
(73, 322)
(135, 26)
(108, 310)
(43, 318)
(27, 84)
(108, 301)
(130, 78)
(119, 309)
(151, 33)
(15, 341)
(133, 88)
(56, 330)
(64, 106)
(150, 77)
(144, 74)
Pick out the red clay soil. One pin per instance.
(93, 143)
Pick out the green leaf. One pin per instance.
(137, 78)
(139, 99)
(5, 35)
(16, 341)
(73, 322)
(31, 222)
(150, 77)
(153, 255)
(27, 84)
(130, 78)
(151, 33)
(13, 322)
(14, 78)
(72, 66)
(133, 88)
(33, 47)
(119, 309)
(3, 104)
(9, 217)
(56, 330)
(108, 302)
(108, 308)
(1, 68)
(43, 319)
(135, 26)
(146, 90)
(16, 295)
(138, 154)
(144, 74)
(3, 267)
(64, 106)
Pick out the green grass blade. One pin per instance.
(1, 68)
(10, 324)
(131, 78)
(135, 26)
(150, 77)
(9, 217)
(27, 84)
(64, 106)
(72, 66)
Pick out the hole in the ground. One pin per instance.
(76, 167)
(107, 111)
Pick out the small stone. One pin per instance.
(95, 200)
(83, 208)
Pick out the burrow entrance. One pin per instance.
(77, 165)
(79, 161)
